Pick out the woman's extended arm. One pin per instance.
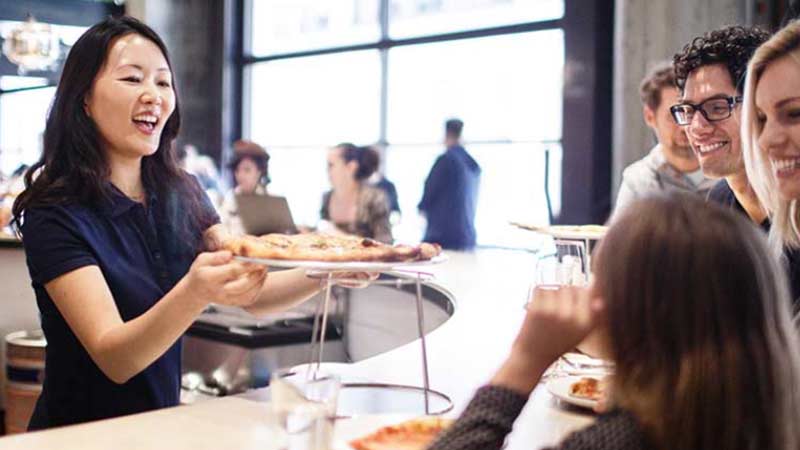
(123, 349)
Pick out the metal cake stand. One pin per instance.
(333, 273)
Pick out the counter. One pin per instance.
(18, 309)
(489, 287)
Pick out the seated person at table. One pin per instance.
(379, 180)
(709, 72)
(771, 141)
(352, 206)
(251, 173)
(694, 315)
(671, 165)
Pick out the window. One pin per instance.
(284, 26)
(22, 122)
(410, 18)
(317, 100)
(24, 103)
(505, 88)
(502, 75)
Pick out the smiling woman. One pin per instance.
(771, 141)
(113, 233)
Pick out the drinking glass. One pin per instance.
(304, 404)
(567, 266)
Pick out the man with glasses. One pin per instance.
(709, 72)
(671, 164)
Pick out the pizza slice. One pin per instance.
(589, 388)
(415, 434)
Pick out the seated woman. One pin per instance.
(694, 314)
(353, 206)
(771, 141)
(251, 173)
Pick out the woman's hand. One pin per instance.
(217, 277)
(215, 236)
(556, 321)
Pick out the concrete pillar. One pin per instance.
(646, 32)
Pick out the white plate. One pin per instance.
(560, 387)
(355, 266)
(591, 232)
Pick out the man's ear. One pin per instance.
(649, 116)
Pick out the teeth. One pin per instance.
(146, 118)
(711, 147)
(784, 164)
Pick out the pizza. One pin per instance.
(327, 248)
(415, 434)
(588, 388)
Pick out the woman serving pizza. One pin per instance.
(113, 234)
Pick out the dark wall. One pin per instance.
(194, 31)
(586, 164)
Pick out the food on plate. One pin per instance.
(327, 248)
(556, 230)
(589, 388)
(413, 434)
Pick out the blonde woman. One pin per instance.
(694, 313)
(771, 141)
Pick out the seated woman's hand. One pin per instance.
(557, 320)
(218, 277)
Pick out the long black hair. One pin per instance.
(73, 167)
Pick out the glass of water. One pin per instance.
(304, 405)
(566, 266)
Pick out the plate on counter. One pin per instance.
(591, 232)
(346, 266)
(561, 388)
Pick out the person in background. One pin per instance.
(671, 164)
(709, 71)
(10, 188)
(771, 142)
(352, 205)
(379, 180)
(719, 368)
(250, 166)
(450, 196)
(202, 167)
(121, 244)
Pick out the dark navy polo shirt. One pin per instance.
(141, 258)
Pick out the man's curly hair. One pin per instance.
(732, 46)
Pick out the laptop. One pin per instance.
(263, 214)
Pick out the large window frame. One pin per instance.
(587, 26)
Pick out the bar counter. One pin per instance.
(489, 288)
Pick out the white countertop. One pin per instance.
(489, 287)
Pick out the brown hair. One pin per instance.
(660, 77)
(732, 46)
(257, 154)
(367, 159)
(699, 326)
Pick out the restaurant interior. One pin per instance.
(554, 112)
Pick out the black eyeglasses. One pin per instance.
(713, 109)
